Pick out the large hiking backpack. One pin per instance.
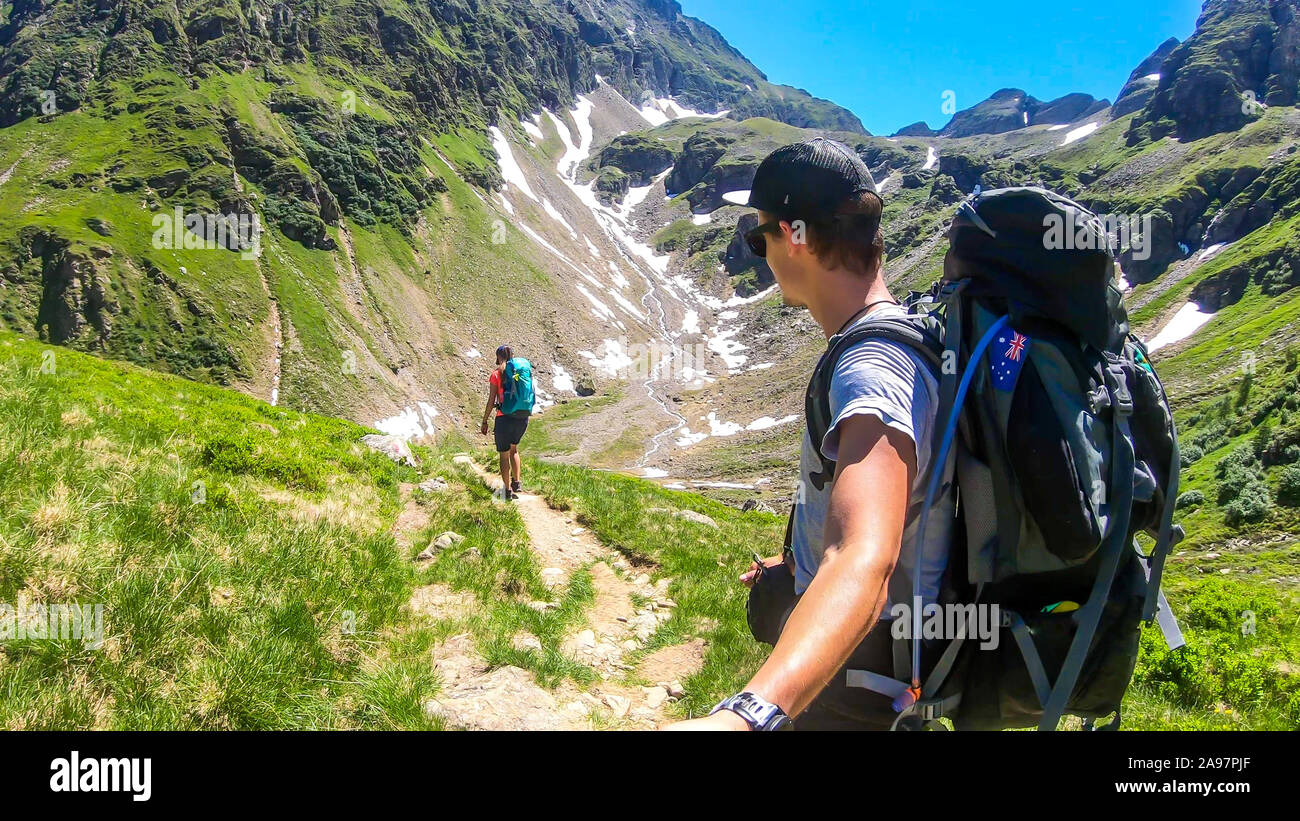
(517, 388)
(1064, 450)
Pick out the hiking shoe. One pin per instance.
(515, 487)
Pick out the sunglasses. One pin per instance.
(757, 238)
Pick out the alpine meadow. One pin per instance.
(256, 258)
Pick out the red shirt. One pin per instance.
(495, 382)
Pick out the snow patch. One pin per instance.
(737, 197)
(411, 423)
(554, 214)
(1080, 132)
(663, 109)
(1186, 322)
(562, 380)
(691, 322)
(510, 170)
(533, 131)
(613, 362)
(931, 158)
(765, 422)
(1211, 251)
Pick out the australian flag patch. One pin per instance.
(1008, 354)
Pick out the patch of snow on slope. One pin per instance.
(728, 349)
(931, 158)
(765, 422)
(1211, 251)
(701, 219)
(510, 170)
(533, 131)
(614, 361)
(472, 353)
(663, 109)
(554, 214)
(602, 310)
(1080, 132)
(737, 197)
(1186, 322)
(691, 322)
(562, 381)
(687, 438)
(411, 423)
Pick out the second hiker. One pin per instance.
(510, 393)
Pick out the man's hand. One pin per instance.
(484, 429)
(751, 575)
(722, 720)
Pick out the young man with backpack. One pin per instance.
(1030, 396)
(510, 392)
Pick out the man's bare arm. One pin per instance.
(863, 534)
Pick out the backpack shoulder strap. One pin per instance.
(917, 332)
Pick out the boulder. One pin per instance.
(394, 447)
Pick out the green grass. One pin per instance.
(233, 546)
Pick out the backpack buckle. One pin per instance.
(1099, 399)
(1117, 382)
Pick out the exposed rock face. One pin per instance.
(75, 296)
(1067, 109)
(1244, 52)
(1007, 110)
(640, 158)
(738, 259)
(699, 154)
(458, 60)
(917, 129)
(1011, 109)
(1144, 81)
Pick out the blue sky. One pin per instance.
(891, 62)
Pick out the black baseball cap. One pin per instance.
(810, 179)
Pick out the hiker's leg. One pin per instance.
(514, 462)
(505, 469)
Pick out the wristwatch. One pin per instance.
(758, 713)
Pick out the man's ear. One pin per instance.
(795, 235)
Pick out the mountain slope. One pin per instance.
(356, 134)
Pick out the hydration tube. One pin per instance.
(936, 477)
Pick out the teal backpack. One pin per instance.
(517, 397)
(1064, 451)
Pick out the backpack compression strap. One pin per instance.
(905, 331)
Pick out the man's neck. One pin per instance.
(845, 294)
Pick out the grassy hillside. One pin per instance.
(256, 568)
(255, 564)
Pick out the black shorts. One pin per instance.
(509, 431)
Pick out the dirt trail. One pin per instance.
(508, 698)
(277, 335)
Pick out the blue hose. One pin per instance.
(936, 477)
